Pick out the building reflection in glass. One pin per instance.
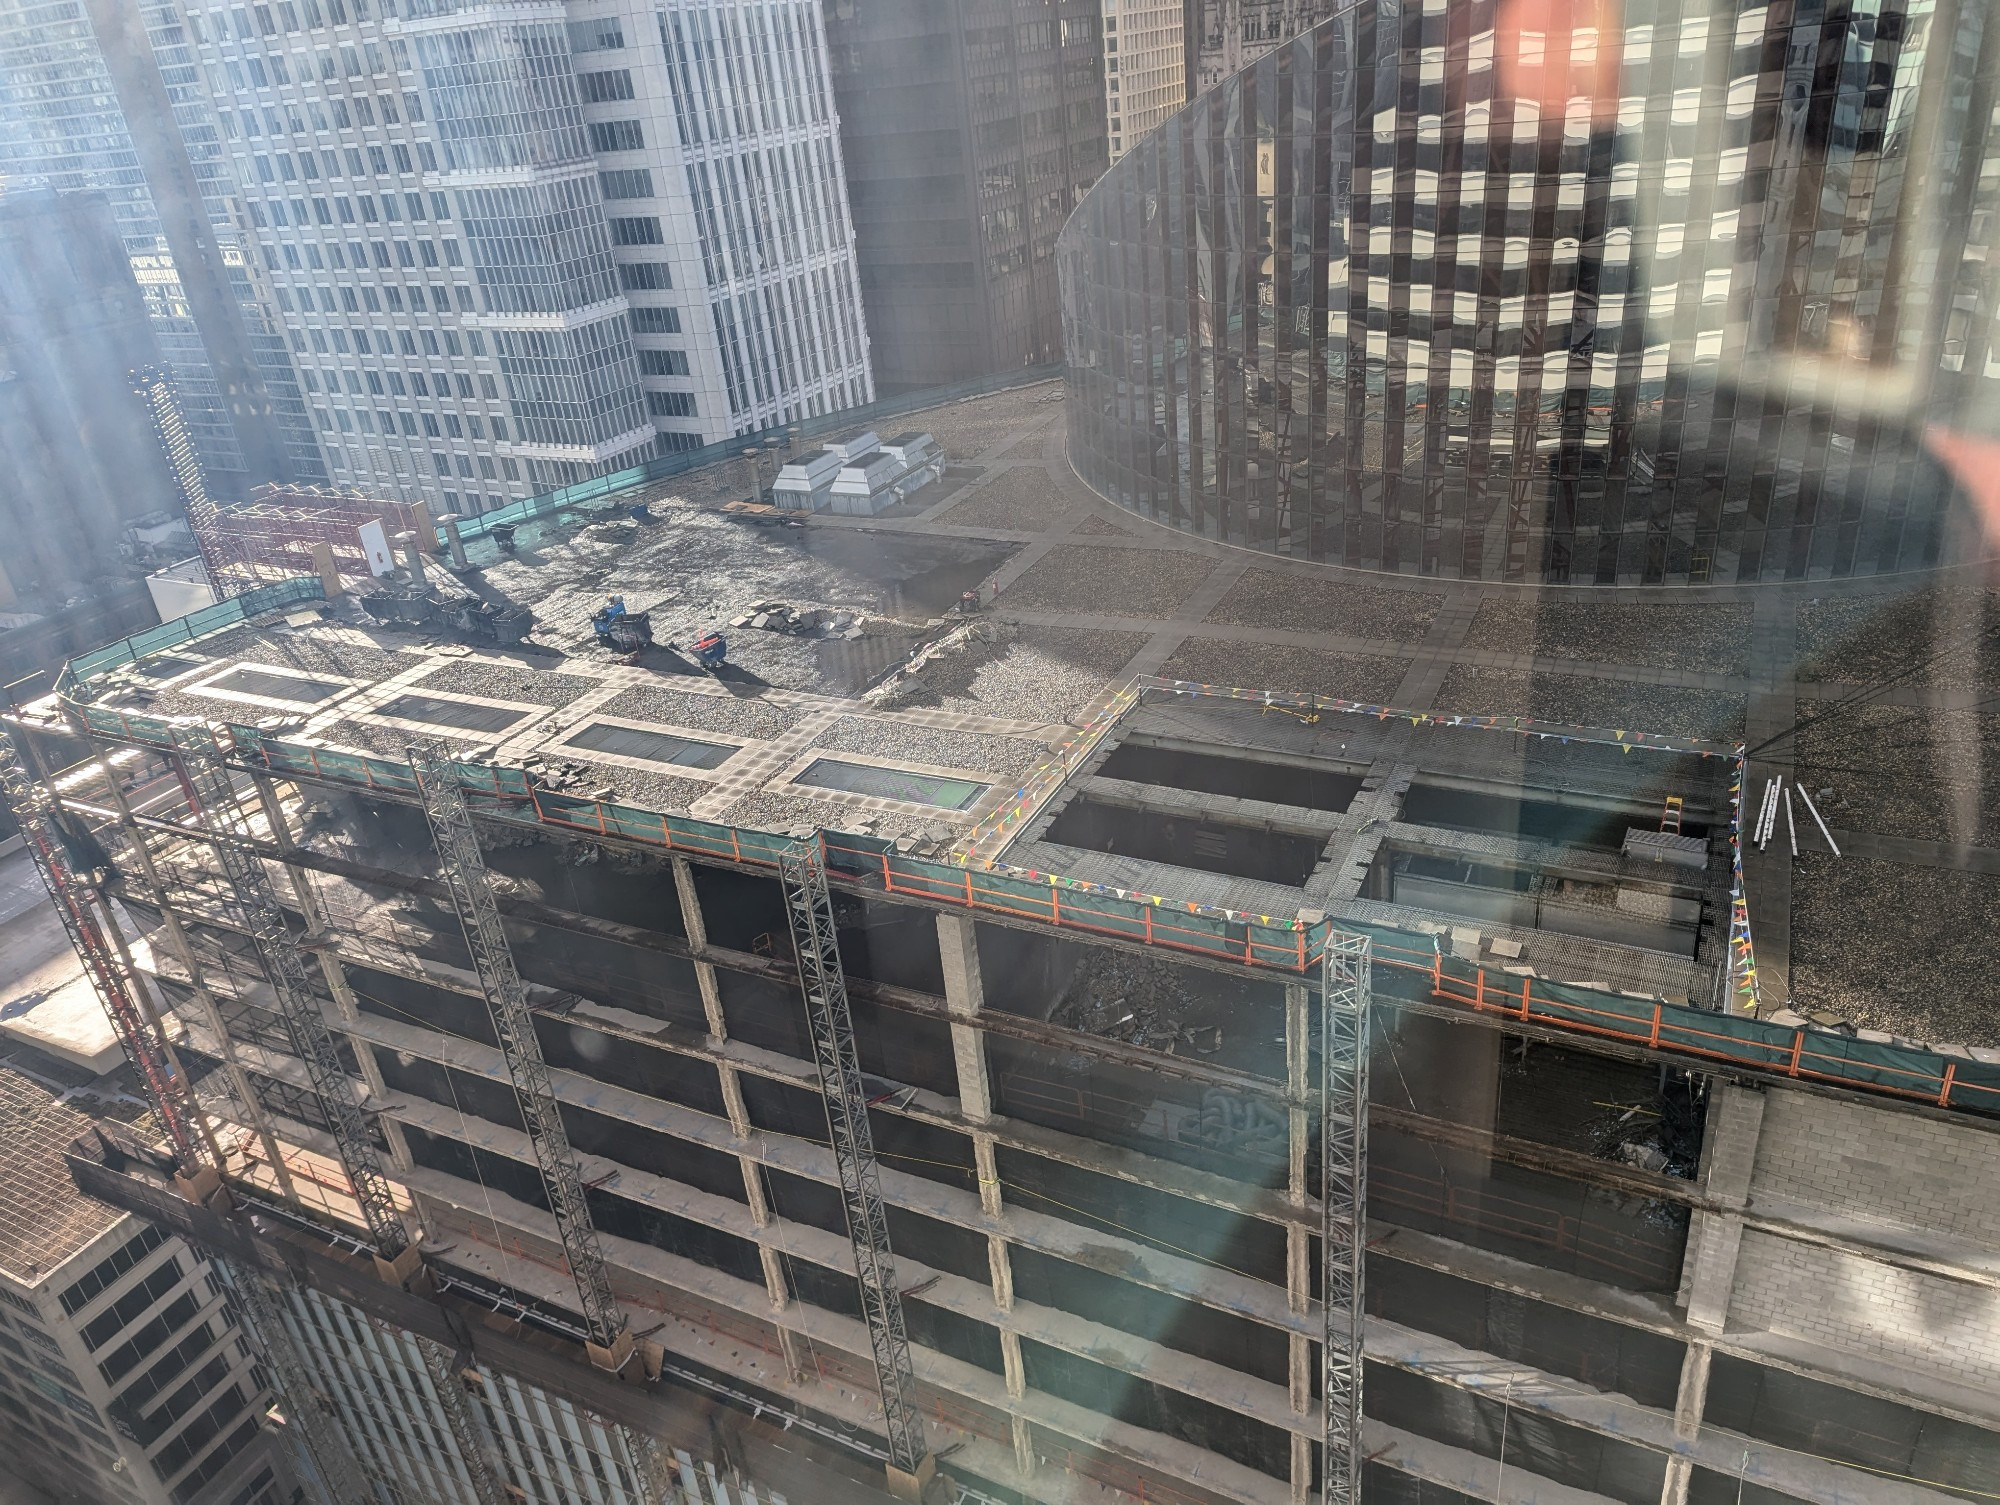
(1661, 295)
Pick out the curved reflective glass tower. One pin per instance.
(1663, 294)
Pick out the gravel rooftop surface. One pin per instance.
(326, 647)
(1145, 583)
(923, 744)
(695, 570)
(1867, 637)
(1315, 603)
(968, 429)
(1471, 690)
(393, 742)
(1902, 771)
(1706, 639)
(506, 682)
(780, 812)
(742, 716)
(650, 791)
(1892, 947)
(1037, 674)
(1097, 526)
(1273, 666)
(1025, 499)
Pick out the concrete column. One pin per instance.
(1024, 1446)
(1002, 1268)
(1011, 1364)
(1688, 1408)
(1298, 1064)
(775, 1284)
(1729, 1154)
(965, 997)
(988, 1167)
(732, 1099)
(1729, 1158)
(697, 934)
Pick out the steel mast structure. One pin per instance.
(1346, 995)
(809, 905)
(166, 1087)
(224, 816)
(211, 790)
(170, 1095)
(464, 873)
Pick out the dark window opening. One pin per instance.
(1211, 846)
(1313, 788)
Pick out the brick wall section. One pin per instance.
(1856, 1160)
(1945, 1327)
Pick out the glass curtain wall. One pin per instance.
(1669, 293)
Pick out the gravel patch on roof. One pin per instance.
(1025, 498)
(326, 649)
(649, 791)
(1147, 583)
(1713, 639)
(882, 738)
(1098, 526)
(1471, 690)
(1298, 602)
(970, 428)
(1895, 947)
(742, 716)
(780, 812)
(1273, 666)
(473, 676)
(1902, 771)
(1037, 674)
(1930, 632)
(393, 742)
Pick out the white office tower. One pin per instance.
(518, 245)
(103, 95)
(1145, 67)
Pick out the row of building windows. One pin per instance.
(352, 162)
(100, 1277)
(413, 425)
(337, 340)
(291, 15)
(115, 1318)
(738, 72)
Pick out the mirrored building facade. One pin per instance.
(1684, 296)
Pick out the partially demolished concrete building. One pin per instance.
(1633, 1229)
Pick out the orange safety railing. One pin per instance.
(1284, 945)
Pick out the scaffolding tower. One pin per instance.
(170, 1095)
(224, 816)
(318, 1433)
(211, 790)
(447, 1372)
(815, 939)
(140, 1035)
(1346, 995)
(464, 873)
